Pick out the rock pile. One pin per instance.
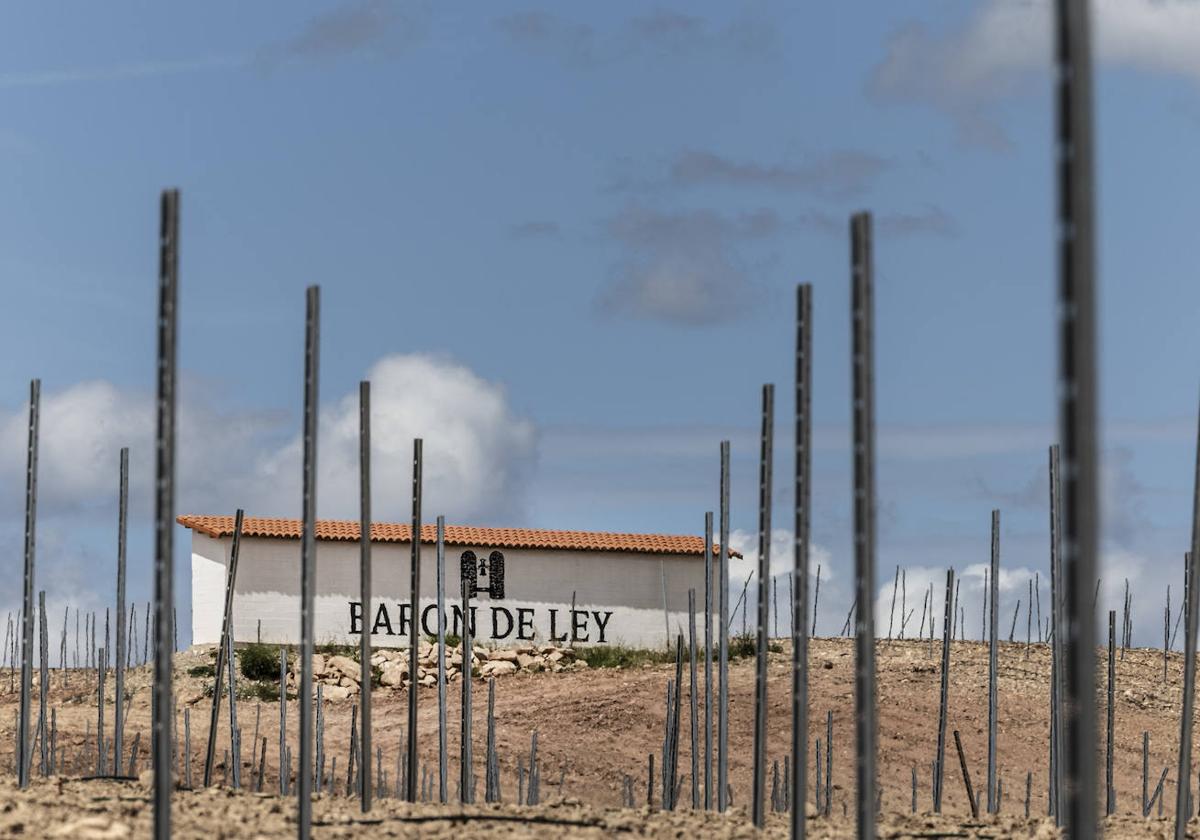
(340, 675)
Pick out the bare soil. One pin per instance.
(594, 726)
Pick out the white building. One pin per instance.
(526, 582)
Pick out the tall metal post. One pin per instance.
(164, 510)
(1057, 643)
(31, 459)
(466, 762)
(1192, 603)
(414, 625)
(723, 664)
(947, 631)
(803, 505)
(1077, 403)
(308, 557)
(443, 752)
(224, 648)
(708, 660)
(364, 578)
(1110, 794)
(766, 453)
(862, 316)
(993, 664)
(122, 512)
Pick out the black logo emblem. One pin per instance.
(473, 568)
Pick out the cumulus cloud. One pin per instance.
(685, 267)
(1003, 46)
(477, 451)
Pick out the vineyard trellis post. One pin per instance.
(440, 574)
(708, 659)
(723, 664)
(26, 616)
(414, 613)
(802, 507)
(862, 309)
(364, 579)
(1077, 405)
(757, 809)
(164, 509)
(224, 648)
(122, 512)
(940, 763)
(993, 664)
(1182, 802)
(308, 559)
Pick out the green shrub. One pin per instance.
(259, 662)
(265, 691)
(619, 656)
(453, 640)
(202, 671)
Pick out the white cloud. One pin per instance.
(782, 547)
(477, 452)
(995, 52)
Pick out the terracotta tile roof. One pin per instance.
(394, 532)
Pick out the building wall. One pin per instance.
(618, 595)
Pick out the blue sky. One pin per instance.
(564, 240)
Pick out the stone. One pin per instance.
(318, 664)
(497, 668)
(392, 676)
(345, 666)
(525, 661)
(554, 656)
(92, 828)
(581, 663)
(502, 655)
(336, 692)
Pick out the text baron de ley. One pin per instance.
(518, 624)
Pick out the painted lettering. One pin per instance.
(429, 631)
(355, 617)
(382, 620)
(601, 623)
(554, 637)
(525, 623)
(579, 619)
(457, 615)
(497, 612)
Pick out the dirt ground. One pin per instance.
(594, 726)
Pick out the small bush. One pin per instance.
(327, 650)
(453, 640)
(619, 656)
(259, 662)
(202, 671)
(265, 691)
(746, 645)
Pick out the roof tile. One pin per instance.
(395, 532)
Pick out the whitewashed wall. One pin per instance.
(620, 590)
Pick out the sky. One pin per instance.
(562, 241)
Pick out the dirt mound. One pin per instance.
(596, 726)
